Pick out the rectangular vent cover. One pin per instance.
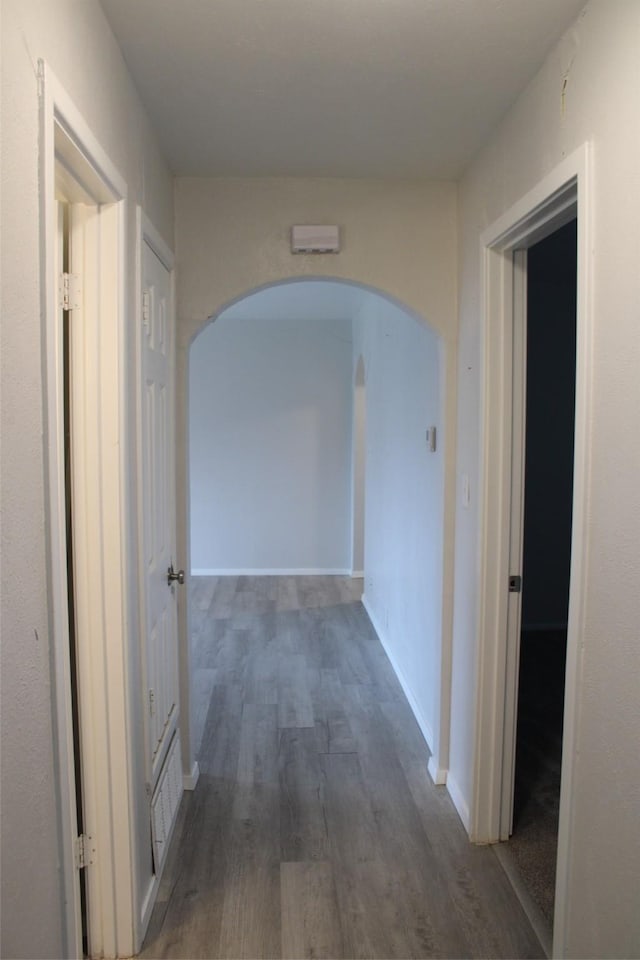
(318, 239)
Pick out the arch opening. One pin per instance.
(356, 286)
(302, 465)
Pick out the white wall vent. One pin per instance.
(316, 239)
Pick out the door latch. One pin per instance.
(515, 584)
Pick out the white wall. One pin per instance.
(77, 44)
(232, 236)
(404, 498)
(270, 444)
(597, 65)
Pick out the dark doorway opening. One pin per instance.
(550, 428)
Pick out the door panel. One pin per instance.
(161, 635)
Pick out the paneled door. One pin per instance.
(158, 499)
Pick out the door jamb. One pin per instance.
(541, 211)
(67, 141)
(516, 532)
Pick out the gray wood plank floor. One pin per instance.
(315, 830)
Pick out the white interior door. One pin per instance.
(161, 628)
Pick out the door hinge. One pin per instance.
(85, 851)
(152, 702)
(515, 584)
(146, 310)
(70, 292)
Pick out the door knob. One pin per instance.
(174, 575)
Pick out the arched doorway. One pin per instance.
(270, 434)
(404, 592)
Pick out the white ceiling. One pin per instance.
(331, 88)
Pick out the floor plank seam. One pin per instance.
(315, 830)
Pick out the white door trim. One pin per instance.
(546, 207)
(104, 560)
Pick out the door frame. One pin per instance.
(516, 532)
(549, 205)
(103, 553)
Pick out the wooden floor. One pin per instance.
(315, 830)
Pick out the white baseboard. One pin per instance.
(437, 773)
(459, 802)
(189, 780)
(357, 574)
(271, 572)
(425, 727)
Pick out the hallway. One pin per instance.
(315, 830)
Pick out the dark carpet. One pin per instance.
(533, 845)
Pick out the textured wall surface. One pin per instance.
(75, 41)
(586, 90)
(233, 236)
